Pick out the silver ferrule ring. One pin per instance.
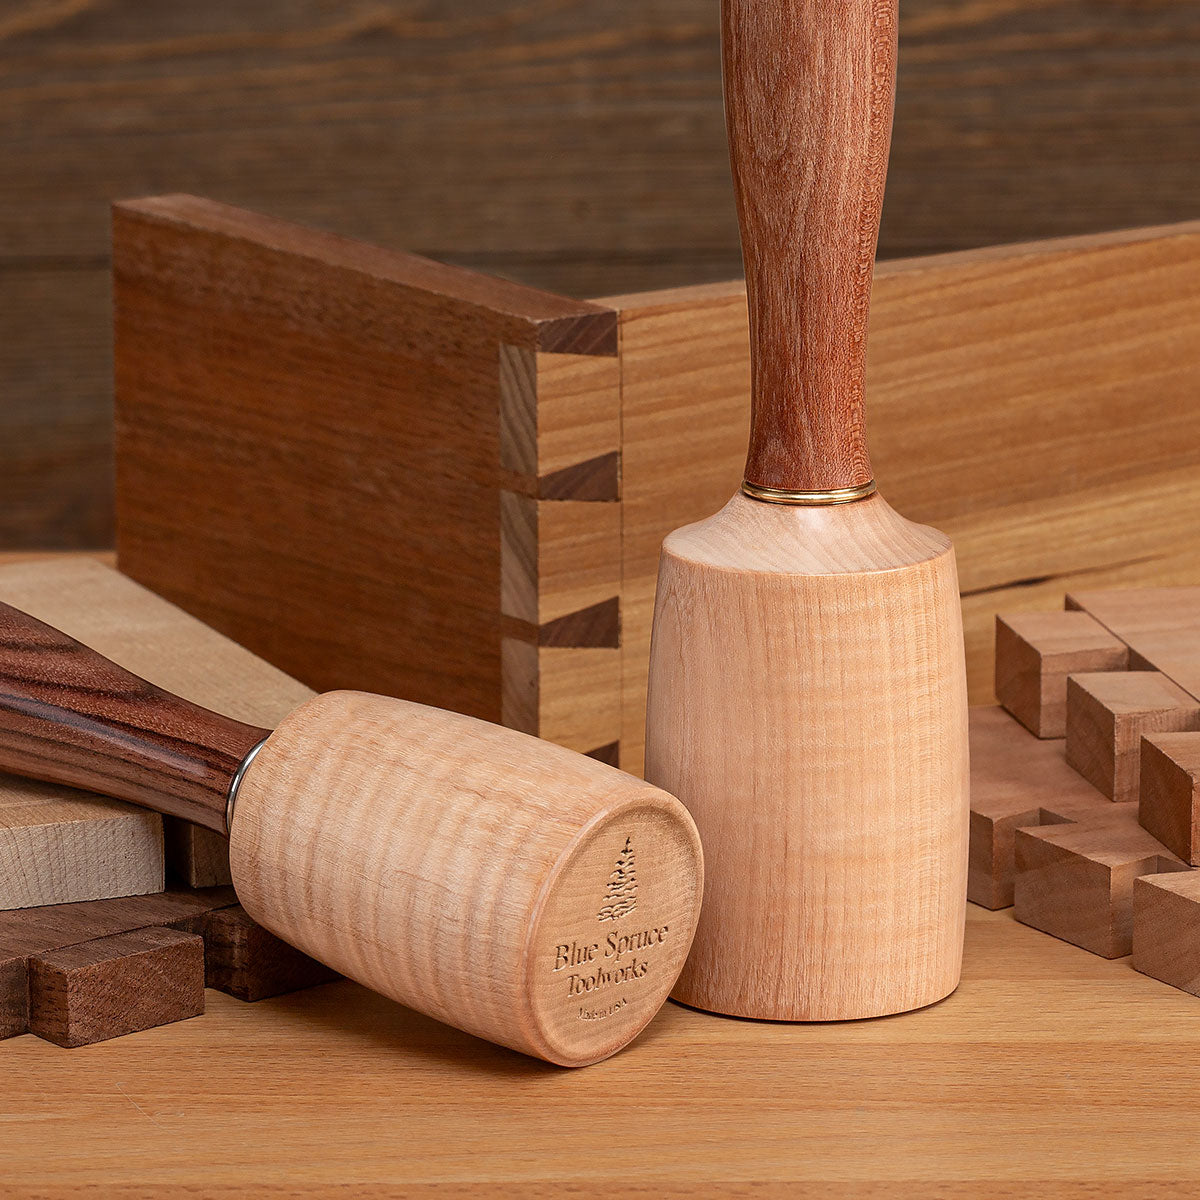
(236, 782)
(772, 495)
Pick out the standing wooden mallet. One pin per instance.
(504, 885)
(807, 682)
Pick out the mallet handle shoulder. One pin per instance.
(71, 716)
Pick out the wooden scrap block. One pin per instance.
(1166, 928)
(1016, 780)
(59, 845)
(1076, 881)
(196, 857)
(247, 962)
(1107, 714)
(14, 996)
(1036, 651)
(32, 932)
(1169, 799)
(110, 986)
(1160, 625)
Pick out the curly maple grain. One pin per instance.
(505, 885)
(808, 704)
(809, 90)
(69, 715)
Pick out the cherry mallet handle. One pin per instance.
(809, 90)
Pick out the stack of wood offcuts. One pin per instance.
(112, 918)
(1085, 808)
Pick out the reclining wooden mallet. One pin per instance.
(807, 684)
(504, 885)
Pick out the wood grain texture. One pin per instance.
(1017, 780)
(58, 845)
(1166, 928)
(1169, 792)
(891, 1107)
(550, 149)
(38, 932)
(1107, 715)
(809, 94)
(242, 959)
(394, 369)
(158, 642)
(1057, 474)
(14, 995)
(195, 856)
(807, 703)
(149, 636)
(1075, 881)
(1035, 652)
(1161, 626)
(1082, 484)
(122, 984)
(485, 900)
(68, 715)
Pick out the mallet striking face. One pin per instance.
(807, 684)
(499, 883)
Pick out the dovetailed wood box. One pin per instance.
(385, 473)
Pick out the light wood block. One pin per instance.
(1017, 780)
(196, 857)
(1076, 881)
(1107, 714)
(1169, 799)
(1035, 652)
(493, 391)
(242, 959)
(97, 990)
(1166, 928)
(59, 845)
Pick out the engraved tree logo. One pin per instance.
(621, 895)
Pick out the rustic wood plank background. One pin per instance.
(577, 146)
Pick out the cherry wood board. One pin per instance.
(337, 1092)
(438, 504)
(1160, 625)
(529, 139)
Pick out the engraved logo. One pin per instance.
(620, 898)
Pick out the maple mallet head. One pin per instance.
(807, 696)
(502, 884)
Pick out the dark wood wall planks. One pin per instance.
(575, 146)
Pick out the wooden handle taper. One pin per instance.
(809, 87)
(68, 715)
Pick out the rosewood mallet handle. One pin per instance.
(809, 88)
(68, 715)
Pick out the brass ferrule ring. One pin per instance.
(832, 496)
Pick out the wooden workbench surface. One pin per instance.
(1048, 1065)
